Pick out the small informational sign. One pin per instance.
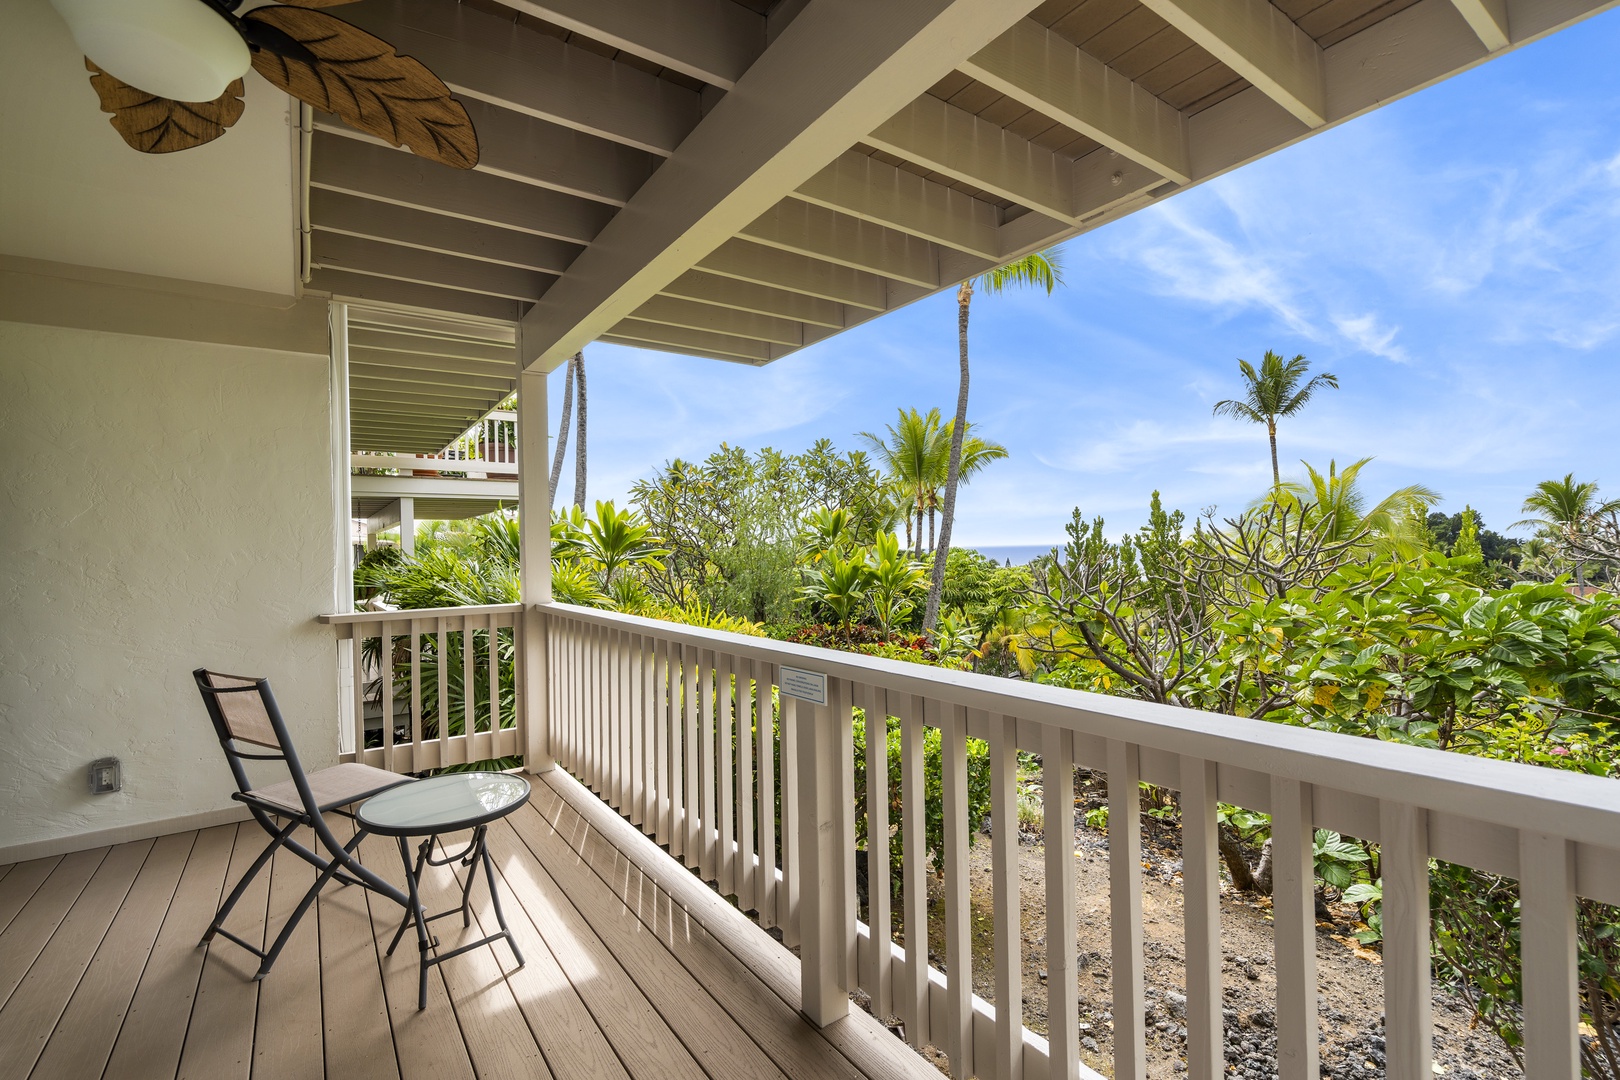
(808, 686)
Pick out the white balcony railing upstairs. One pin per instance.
(672, 725)
(485, 451)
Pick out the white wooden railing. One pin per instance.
(421, 674)
(671, 725)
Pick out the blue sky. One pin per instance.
(1454, 258)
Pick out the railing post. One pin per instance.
(1403, 832)
(1547, 951)
(534, 573)
(822, 887)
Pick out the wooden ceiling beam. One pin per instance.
(815, 231)
(386, 175)
(518, 147)
(1488, 19)
(671, 311)
(343, 285)
(861, 186)
(494, 60)
(1044, 71)
(427, 378)
(642, 335)
(955, 142)
(746, 262)
(761, 299)
(830, 77)
(713, 41)
(351, 215)
(422, 362)
(336, 251)
(1260, 43)
(377, 340)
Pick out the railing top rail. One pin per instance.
(407, 614)
(1559, 803)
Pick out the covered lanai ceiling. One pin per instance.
(739, 180)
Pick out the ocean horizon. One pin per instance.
(1016, 554)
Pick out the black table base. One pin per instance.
(476, 852)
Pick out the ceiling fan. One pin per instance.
(170, 72)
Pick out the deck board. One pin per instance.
(103, 975)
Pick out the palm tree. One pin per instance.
(579, 432)
(1564, 509)
(916, 456)
(1274, 391)
(1337, 504)
(562, 430)
(1042, 268)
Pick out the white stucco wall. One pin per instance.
(163, 505)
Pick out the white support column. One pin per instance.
(407, 524)
(337, 316)
(534, 556)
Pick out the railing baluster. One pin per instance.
(640, 767)
(1547, 951)
(958, 1036)
(840, 697)
(1009, 923)
(879, 979)
(765, 894)
(618, 754)
(1125, 908)
(442, 661)
(661, 721)
(725, 773)
(1294, 924)
(357, 661)
(1200, 848)
(493, 643)
(747, 875)
(913, 862)
(708, 854)
(469, 700)
(788, 907)
(1403, 833)
(693, 800)
(1062, 968)
(385, 666)
(415, 764)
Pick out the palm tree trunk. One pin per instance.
(579, 435)
(562, 432)
(931, 528)
(953, 473)
(918, 549)
(1276, 474)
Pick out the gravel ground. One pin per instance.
(1350, 987)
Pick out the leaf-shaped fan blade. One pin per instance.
(155, 125)
(362, 80)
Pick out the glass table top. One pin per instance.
(443, 803)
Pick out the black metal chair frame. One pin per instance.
(343, 865)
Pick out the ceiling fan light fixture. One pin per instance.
(177, 49)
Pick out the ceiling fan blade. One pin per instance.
(362, 80)
(155, 125)
(315, 3)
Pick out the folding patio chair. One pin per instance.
(244, 712)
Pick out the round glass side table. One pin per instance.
(452, 802)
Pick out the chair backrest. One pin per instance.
(243, 710)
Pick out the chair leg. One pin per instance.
(224, 911)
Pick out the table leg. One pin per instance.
(413, 913)
(495, 899)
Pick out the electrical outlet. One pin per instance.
(106, 776)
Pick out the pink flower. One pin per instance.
(1561, 751)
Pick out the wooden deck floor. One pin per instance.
(634, 969)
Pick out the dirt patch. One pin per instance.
(1350, 977)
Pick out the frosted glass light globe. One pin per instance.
(179, 49)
